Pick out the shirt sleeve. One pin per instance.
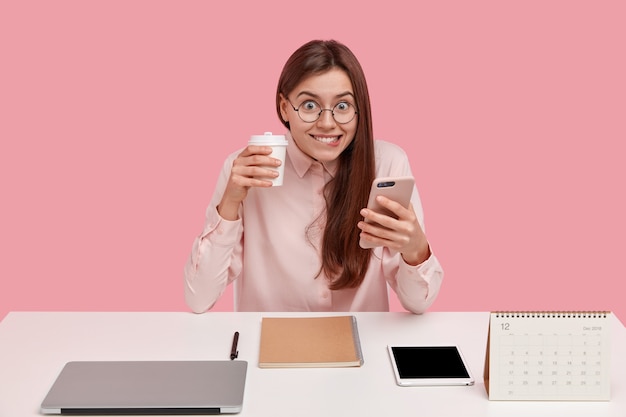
(216, 254)
(416, 286)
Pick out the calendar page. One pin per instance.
(548, 356)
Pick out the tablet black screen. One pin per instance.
(416, 362)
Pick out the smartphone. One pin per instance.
(429, 365)
(398, 189)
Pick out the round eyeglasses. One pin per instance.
(310, 111)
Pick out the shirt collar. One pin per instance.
(302, 162)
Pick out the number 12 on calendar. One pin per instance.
(550, 355)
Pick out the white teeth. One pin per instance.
(326, 139)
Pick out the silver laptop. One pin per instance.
(148, 387)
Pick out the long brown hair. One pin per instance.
(343, 260)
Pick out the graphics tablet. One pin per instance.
(429, 365)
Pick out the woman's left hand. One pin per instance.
(403, 234)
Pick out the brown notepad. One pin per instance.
(309, 342)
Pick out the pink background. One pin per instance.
(115, 117)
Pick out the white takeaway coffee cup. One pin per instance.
(278, 143)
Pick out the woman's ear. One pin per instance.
(283, 108)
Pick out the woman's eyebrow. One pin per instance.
(340, 95)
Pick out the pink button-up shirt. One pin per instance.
(272, 253)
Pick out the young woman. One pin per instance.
(295, 247)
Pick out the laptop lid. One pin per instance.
(148, 387)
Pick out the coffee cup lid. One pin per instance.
(268, 138)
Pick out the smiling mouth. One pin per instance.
(326, 139)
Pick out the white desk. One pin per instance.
(35, 346)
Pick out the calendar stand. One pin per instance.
(548, 355)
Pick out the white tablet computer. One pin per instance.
(429, 365)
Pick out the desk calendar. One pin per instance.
(548, 355)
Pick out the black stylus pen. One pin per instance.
(233, 350)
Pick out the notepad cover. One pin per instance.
(297, 342)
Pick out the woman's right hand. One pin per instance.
(249, 170)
